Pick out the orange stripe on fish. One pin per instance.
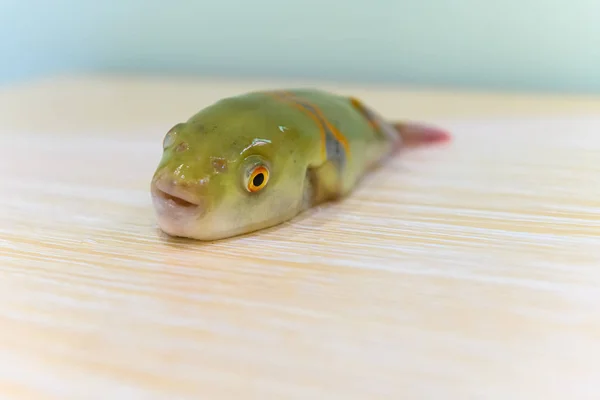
(281, 95)
(321, 120)
(339, 136)
(369, 117)
(375, 121)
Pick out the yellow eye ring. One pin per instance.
(257, 179)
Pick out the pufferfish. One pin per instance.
(258, 159)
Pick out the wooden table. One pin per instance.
(468, 271)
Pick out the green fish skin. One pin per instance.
(259, 159)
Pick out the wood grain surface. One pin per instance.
(466, 271)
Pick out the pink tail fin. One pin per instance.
(418, 134)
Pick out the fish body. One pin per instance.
(256, 160)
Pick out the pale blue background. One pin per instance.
(511, 44)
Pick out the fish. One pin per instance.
(255, 160)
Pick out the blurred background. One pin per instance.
(524, 45)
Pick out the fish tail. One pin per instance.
(416, 134)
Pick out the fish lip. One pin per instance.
(170, 194)
(176, 215)
(174, 200)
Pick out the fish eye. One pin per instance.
(257, 178)
(171, 135)
(168, 140)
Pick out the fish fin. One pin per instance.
(322, 184)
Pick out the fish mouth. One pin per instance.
(172, 197)
(175, 199)
(181, 207)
